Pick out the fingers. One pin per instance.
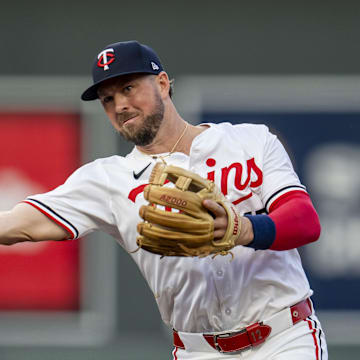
(215, 208)
(220, 221)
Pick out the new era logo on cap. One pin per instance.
(154, 66)
(122, 58)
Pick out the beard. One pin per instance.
(143, 134)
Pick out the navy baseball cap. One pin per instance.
(128, 57)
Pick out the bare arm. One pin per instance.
(25, 223)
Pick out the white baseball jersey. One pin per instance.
(252, 169)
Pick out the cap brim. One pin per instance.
(91, 92)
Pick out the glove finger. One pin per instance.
(179, 221)
(182, 178)
(173, 248)
(177, 175)
(158, 176)
(159, 248)
(186, 201)
(157, 233)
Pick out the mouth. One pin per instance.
(129, 119)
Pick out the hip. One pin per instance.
(300, 340)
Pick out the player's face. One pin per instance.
(134, 106)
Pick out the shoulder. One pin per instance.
(111, 161)
(115, 160)
(227, 127)
(242, 133)
(99, 169)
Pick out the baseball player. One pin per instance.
(254, 304)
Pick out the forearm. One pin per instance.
(291, 223)
(10, 232)
(24, 223)
(296, 221)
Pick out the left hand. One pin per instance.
(221, 222)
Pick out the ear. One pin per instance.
(163, 83)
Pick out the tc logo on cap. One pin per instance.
(106, 57)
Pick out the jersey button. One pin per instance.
(220, 273)
(227, 311)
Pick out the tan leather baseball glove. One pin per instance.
(189, 230)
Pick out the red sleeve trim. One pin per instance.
(296, 221)
(285, 197)
(52, 218)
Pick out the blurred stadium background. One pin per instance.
(291, 65)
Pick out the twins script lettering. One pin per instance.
(245, 176)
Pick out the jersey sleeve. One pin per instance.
(279, 176)
(81, 205)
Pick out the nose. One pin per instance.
(121, 103)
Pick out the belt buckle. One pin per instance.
(225, 335)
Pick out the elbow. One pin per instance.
(313, 229)
(297, 224)
(309, 227)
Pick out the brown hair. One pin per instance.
(171, 90)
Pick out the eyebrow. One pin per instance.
(127, 78)
(102, 89)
